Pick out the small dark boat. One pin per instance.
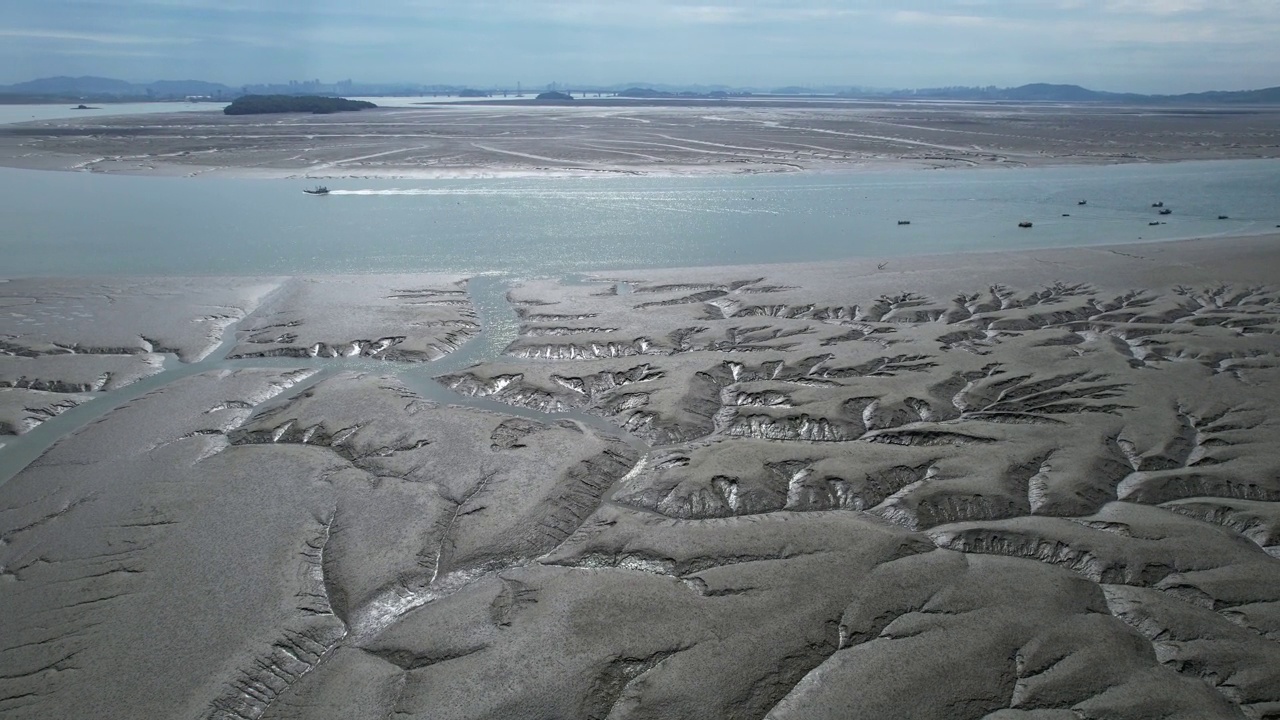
(1166, 211)
(1158, 204)
(1083, 202)
(318, 190)
(904, 222)
(1223, 217)
(1155, 222)
(1066, 214)
(1024, 224)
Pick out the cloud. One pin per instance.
(916, 17)
(1143, 45)
(91, 37)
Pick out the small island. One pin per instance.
(315, 104)
(552, 95)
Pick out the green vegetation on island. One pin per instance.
(316, 104)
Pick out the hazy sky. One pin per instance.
(1138, 45)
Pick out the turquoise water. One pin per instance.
(78, 224)
(59, 223)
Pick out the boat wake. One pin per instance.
(676, 201)
(421, 191)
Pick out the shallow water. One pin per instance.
(57, 111)
(499, 327)
(84, 224)
(60, 223)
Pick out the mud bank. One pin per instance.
(1028, 485)
(495, 141)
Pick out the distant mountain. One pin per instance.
(650, 93)
(71, 86)
(1044, 92)
(644, 92)
(109, 88)
(1266, 96)
(100, 89)
(673, 89)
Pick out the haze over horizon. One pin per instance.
(1145, 46)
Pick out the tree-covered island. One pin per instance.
(316, 104)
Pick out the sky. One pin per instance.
(1152, 46)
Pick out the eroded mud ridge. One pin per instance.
(1071, 464)
(1044, 487)
(64, 341)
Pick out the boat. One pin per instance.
(1083, 202)
(1223, 217)
(318, 190)
(1166, 211)
(1024, 224)
(1158, 204)
(1155, 222)
(904, 222)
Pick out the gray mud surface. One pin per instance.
(1030, 486)
(595, 138)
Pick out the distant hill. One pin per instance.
(552, 95)
(109, 88)
(1044, 92)
(265, 104)
(650, 93)
(644, 92)
(73, 86)
(1268, 96)
(101, 89)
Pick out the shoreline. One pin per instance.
(1195, 243)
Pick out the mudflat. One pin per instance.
(1028, 485)
(611, 137)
